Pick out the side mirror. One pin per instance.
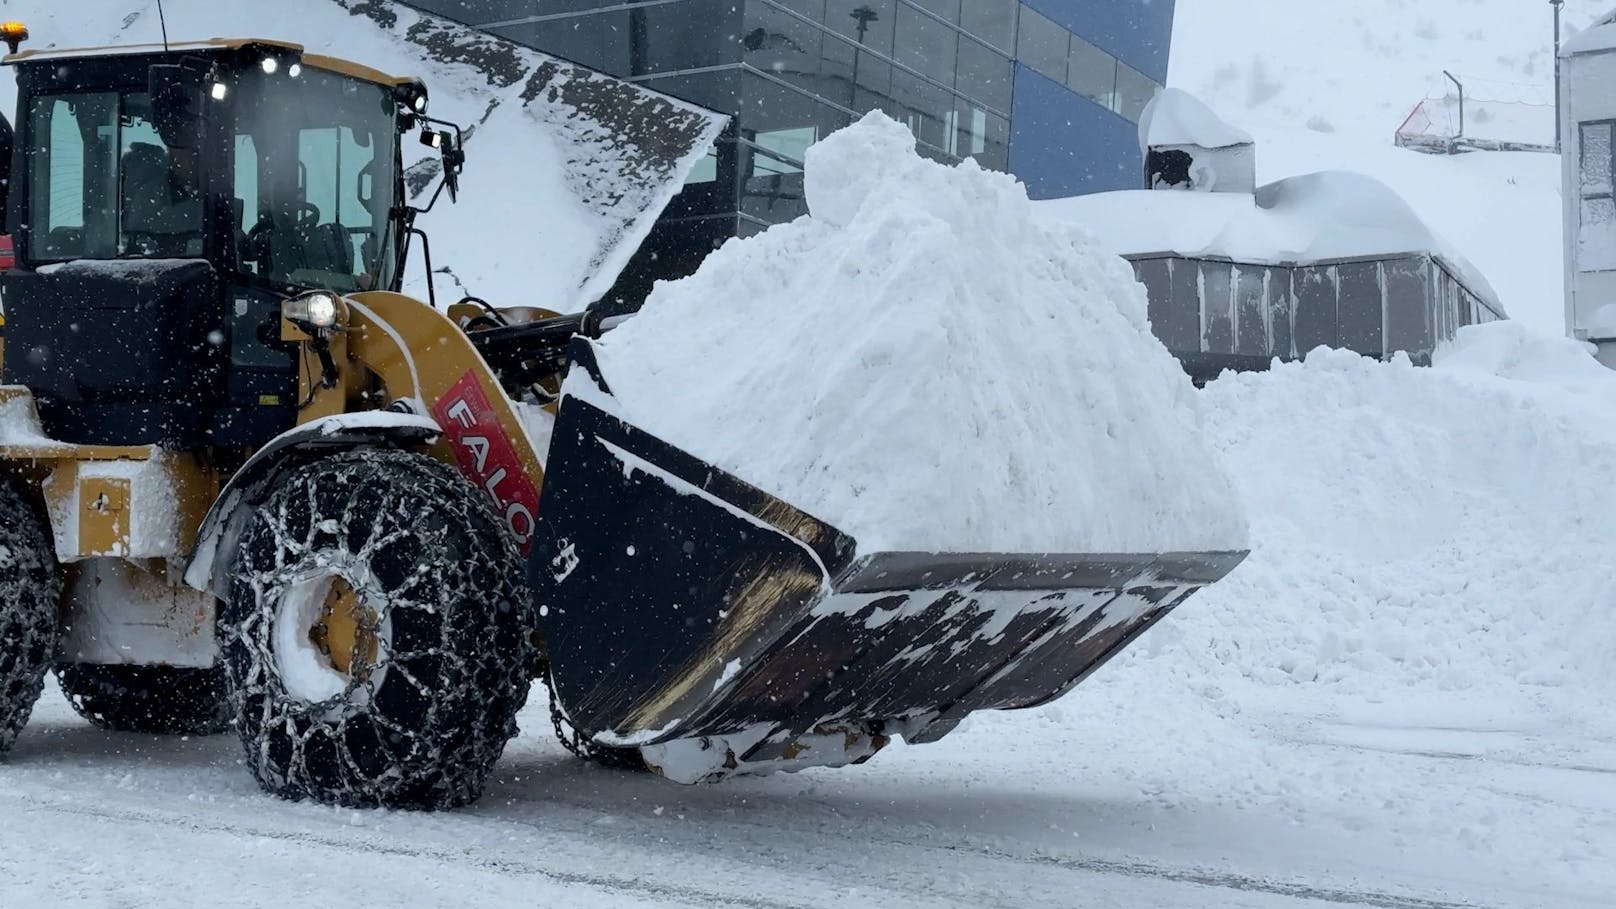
(454, 157)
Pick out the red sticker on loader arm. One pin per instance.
(486, 456)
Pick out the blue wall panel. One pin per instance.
(1062, 144)
(1137, 32)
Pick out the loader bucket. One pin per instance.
(718, 628)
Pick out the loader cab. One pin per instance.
(163, 204)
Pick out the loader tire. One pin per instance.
(398, 555)
(30, 594)
(157, 700)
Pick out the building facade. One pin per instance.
(1049, 90)
(1588, 162)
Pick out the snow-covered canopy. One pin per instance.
(1177, 118)
(1299, 220)
(1601, 36)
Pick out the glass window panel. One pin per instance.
(1596, 159)
(679, 36)
(873, 78)
(74, 177)
(970, 130)
(984, 74)
(247, 181)
(108, 184)
(324, 180)
(1134, 91)
(1596, 240)
(1092, 73)
(851, 74)
(780, 43)
(787, 146)
(995, 145)
(867, 22)
(994, 21)
(719, 90)
(926, 45)
(773, 189)
(599, 40)
(774, 109)
(948, 10)
(1042, 45)
(705, 171)
(926, 108)
(810, 9)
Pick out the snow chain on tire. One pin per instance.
(30, 594)
(447, 602)
(158, 700)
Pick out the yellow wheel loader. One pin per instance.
(247, 483)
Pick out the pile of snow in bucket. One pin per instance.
(927, 365)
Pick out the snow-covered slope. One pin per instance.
(1325, 85)
(1357, 67)
(554, 200)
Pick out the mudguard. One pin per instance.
(209, 565)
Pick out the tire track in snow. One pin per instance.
(627, 886)
(1138, 870)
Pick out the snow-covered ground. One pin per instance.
(1400, 700)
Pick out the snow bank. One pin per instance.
(926, 365)
(1417, 529)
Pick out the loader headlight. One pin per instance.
(318, 311)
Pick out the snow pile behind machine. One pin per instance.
(356, 527)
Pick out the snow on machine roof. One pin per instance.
(335, 65)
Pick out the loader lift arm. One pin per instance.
(525, 354)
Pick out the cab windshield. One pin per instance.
(315, 174)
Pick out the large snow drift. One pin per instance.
(928, 366)
(1435, 529)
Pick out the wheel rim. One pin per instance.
(345, 632)
(328, 641)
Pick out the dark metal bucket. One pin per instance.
(681, 604)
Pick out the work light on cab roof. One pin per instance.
(14, 33)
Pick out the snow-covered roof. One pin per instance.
(1317, 217)
(1176, 117)
(1601, 36)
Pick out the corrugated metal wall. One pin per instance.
(1218, 314)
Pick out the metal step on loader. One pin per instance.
(247, 483)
